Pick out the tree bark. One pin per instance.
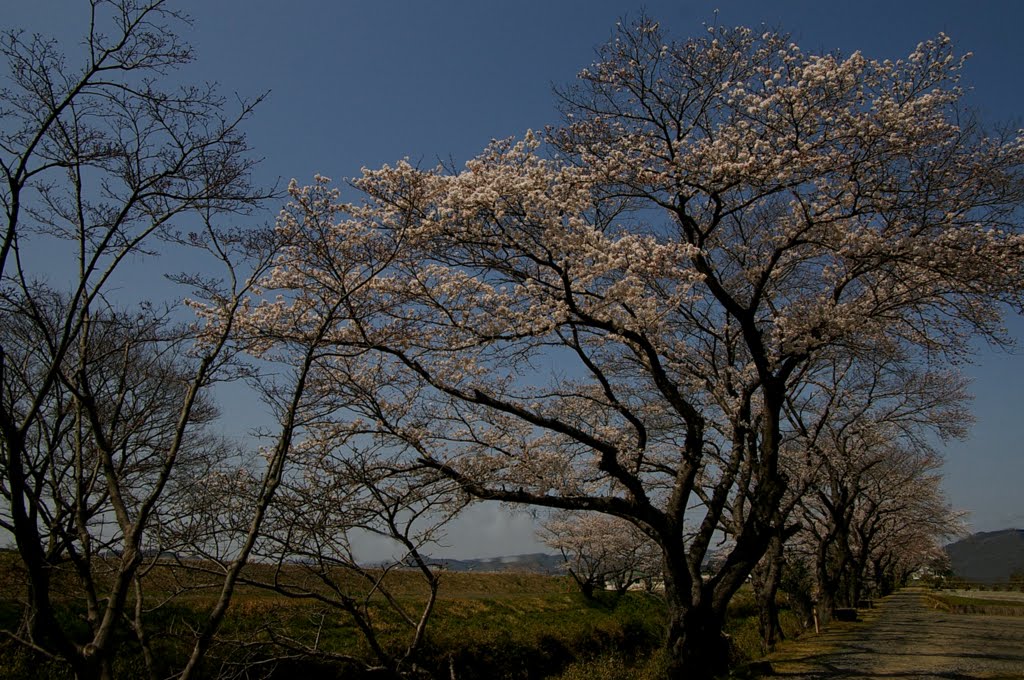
(694, 643)
(766, 578)
(696, 646)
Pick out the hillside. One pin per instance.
(537, 563)
(990, 556)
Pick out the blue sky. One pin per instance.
(356, 84)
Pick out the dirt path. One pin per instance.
(903, 638)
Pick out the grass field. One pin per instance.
(1004, 596)
(979, 602)
(485, 626)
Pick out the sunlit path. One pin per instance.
(907, 639)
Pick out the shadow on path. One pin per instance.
(904, 638)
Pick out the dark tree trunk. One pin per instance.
(41, 623)
(825, 586)
(696, 647)
(885, 579)
(766, 578)
(856, 589)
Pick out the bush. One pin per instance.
(529, 639)
(615, 666)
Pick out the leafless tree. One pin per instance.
(102, 411)
(335, 469)
(335, 499)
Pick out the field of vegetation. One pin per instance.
(993, 602)
(485, 625)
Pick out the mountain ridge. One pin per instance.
(537, 563)
(988, 556)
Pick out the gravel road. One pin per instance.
(903, 638)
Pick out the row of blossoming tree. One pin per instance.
(720, 303)
(732, 261)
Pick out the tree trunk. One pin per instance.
(825, 586)
(766, 578)
(697, 648)
(856, 589)
(41, 624)
(695, 645)
(885, 579)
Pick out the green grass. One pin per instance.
(485, 625)
(959, 604)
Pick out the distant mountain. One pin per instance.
(537, 563)
(990, 556)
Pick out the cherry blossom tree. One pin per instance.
(852, 418)
(901, 523)
(110, 459)
(601, 550)
(870, 425)
(615, 320)
(893, 521)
